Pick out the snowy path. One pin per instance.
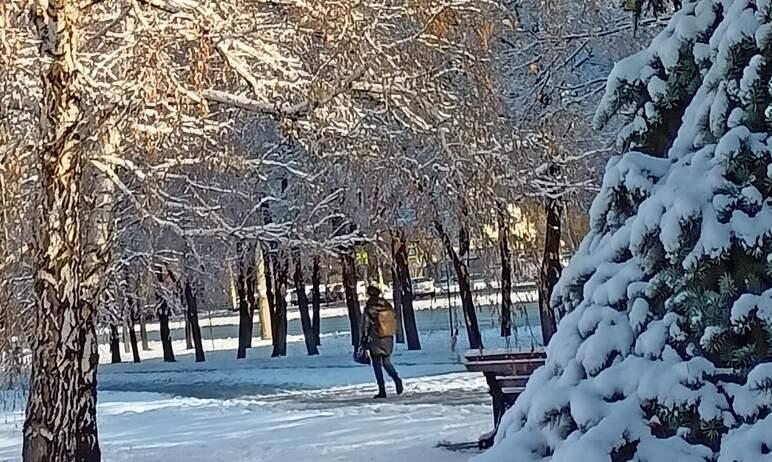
(333, 425)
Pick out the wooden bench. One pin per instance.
(507, 373)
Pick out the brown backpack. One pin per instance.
(387, 323)
(383, 318)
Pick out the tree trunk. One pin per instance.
(125, 333)
(280, 334)
(305, 317)
(115, 345)
(464, 285)
(406, 295)
(263, 305)
(188, 338)
(373, 266)
(506, 275)
(251, 285)
(163, 321)
(245, 276)
(195, 326)
(348, 266)
(143, 332)
(550, 268)
(129, 327)
(396, 293)
(316, 302)
(61, 422)
(133, 341)
(270, 292)
(166, 336)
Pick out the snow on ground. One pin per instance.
(298, 408)
(149, 426)
(223, 376)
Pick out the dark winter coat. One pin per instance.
(379, 325)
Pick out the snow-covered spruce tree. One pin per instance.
(662, 349)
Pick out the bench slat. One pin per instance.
(512, 390)
(517, 367)
(512, 381)
(473, 356)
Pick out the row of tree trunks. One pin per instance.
(349, 270)
(61, 422)
(550, 267)
(506, 274)
(192, 321)
(316, 301)
(305, 316)
(464, 285)
(406, 310)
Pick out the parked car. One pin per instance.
(423, 287)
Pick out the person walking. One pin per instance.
(378, 329)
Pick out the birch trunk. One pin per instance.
(60, 422)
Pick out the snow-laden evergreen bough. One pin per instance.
(662, 350)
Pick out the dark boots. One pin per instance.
(384, 362)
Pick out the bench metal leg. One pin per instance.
(499, 406)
